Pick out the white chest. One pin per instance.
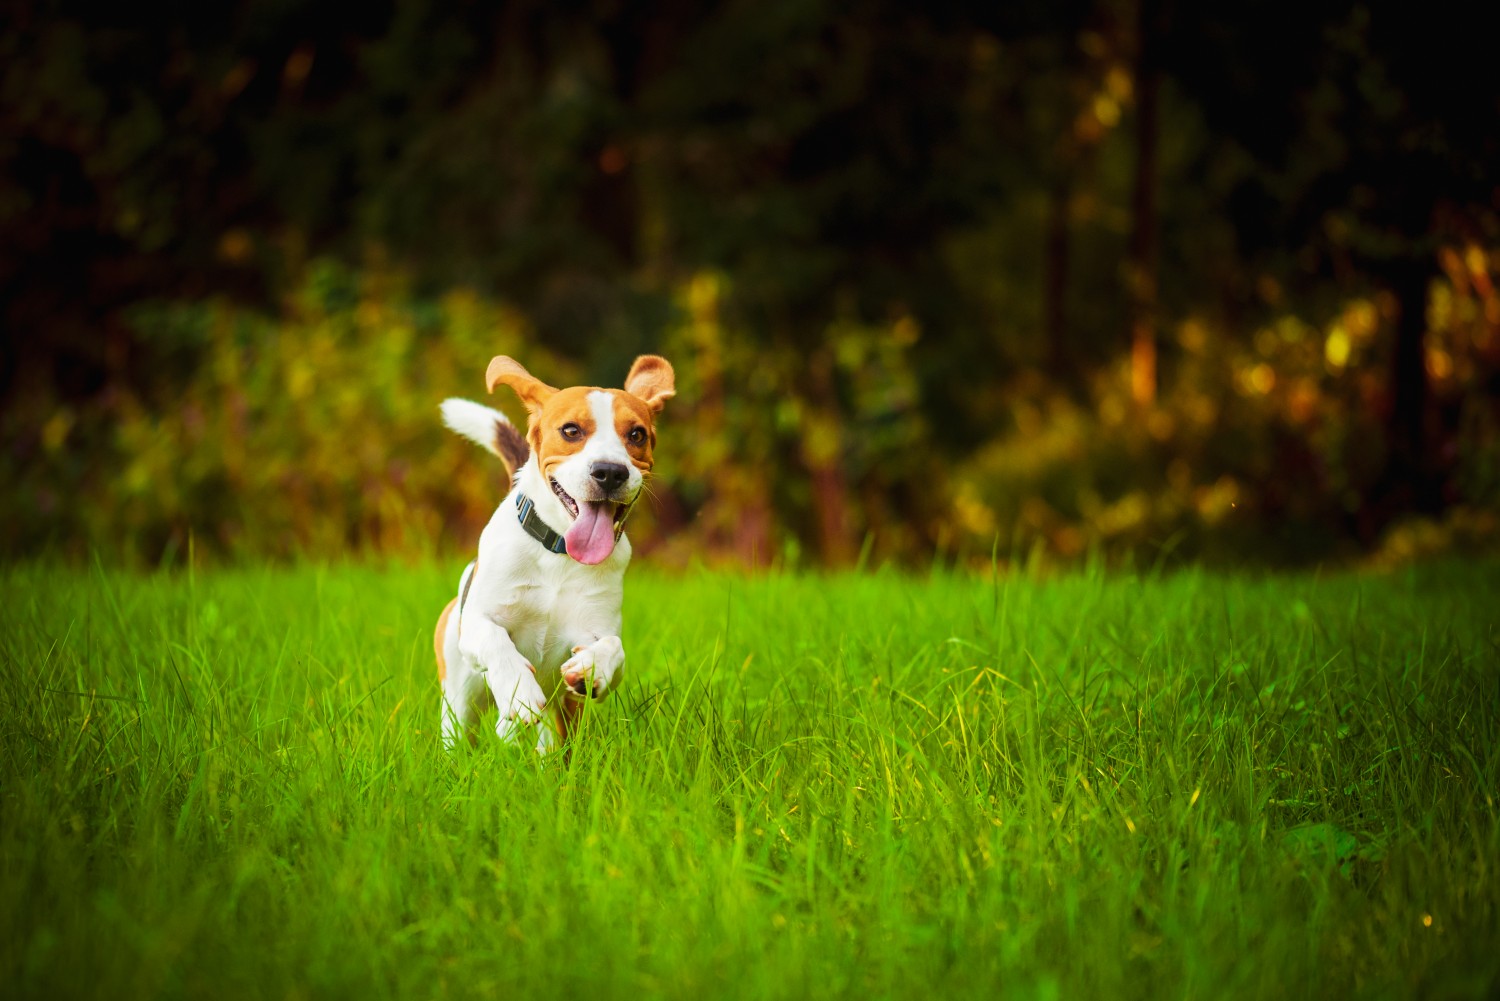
(548, 603)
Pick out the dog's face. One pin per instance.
(592, 446)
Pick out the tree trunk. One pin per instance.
(1141, 265)
(822, 452)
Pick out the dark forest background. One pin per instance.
(1046, 280)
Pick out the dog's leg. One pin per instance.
(464, 698)
(596, 668)
(549, 735)
(570, 715)
(488, 648)
(456, 722)
(465, 695)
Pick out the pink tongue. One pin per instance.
(591, 537)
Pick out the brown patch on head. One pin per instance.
(635, 423)
(560, 421)
(568, 413)
(562, 427)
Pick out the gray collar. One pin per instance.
(538, 529)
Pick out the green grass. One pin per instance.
(1194, 786)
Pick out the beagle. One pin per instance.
(535, 627)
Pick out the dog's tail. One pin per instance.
(488, 428)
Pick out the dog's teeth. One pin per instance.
(567, 500)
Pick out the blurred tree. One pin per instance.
(870, 229)
(1141, 265)
(1374, 142)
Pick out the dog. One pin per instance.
(535, 626)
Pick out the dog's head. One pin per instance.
(592, 446)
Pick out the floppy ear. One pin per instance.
(532, 391)
(651, 378)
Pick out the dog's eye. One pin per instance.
(571, 431)
(637, 436)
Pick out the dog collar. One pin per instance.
(539, 530)
(535, 527)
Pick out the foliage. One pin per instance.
(231, 782)
(901, 254)
(1271, 449)
(315, 433)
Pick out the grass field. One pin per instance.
(1088, 787)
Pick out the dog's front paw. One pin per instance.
(579, 674)
(520, 699)
(593, 670)
(588, 674)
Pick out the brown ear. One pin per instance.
(651, 378)
(532, 391)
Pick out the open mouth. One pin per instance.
(562, 495)
(595, 529)
(572, 505)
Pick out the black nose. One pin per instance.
(609, 475)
